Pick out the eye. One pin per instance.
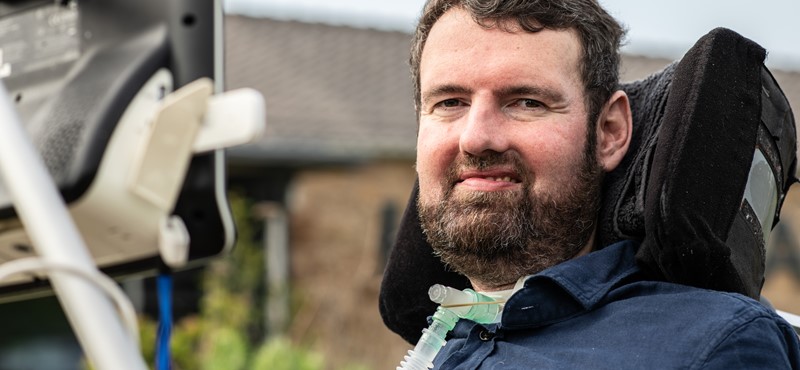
(529, 103)
(452, 107)
(450, 103)
(525, 109)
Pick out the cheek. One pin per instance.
(554, 158)
(434, 156)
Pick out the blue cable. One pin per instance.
(164, 287)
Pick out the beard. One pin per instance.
(495, 238)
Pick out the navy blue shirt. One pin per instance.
(596, 312)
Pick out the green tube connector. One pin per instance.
(467, 304)
(454, 305)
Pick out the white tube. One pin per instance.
(56, 239)
(38, 265)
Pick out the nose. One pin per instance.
(483, 131)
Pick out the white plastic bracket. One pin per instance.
(165, 155)
(189, 121)
(173, 241)
(233, 118)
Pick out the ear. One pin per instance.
(614, 126)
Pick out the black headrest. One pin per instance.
(723, 107)
(679, 190)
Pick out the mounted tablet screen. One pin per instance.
(75, 70)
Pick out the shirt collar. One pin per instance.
(570, 288)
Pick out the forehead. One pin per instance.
(458, 48)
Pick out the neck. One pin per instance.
(480, 287)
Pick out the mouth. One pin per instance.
(496, 179)
(488, 180)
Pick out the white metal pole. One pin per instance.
(43, 212)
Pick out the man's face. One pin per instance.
(509, 183)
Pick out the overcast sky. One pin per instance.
(656, 28)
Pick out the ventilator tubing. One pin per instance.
(454, 305)
(467, 304)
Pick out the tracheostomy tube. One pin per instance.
(467, 304)
(454, 304)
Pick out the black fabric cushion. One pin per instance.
(700, 168)
(678, 190)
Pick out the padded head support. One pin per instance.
(679, 190)
(698, 229)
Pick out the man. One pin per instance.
(519, 118)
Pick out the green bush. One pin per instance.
(280, 354)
